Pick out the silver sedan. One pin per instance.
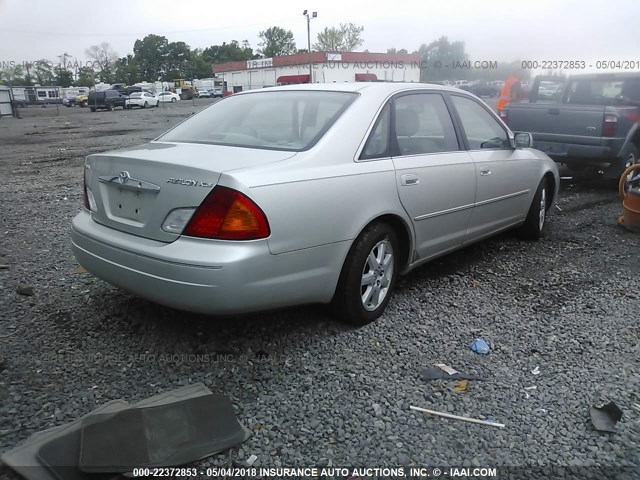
(318, 193)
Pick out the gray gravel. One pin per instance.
(315, 392)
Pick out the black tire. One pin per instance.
(173, 100)
(533, 226)
(93, 109)
(146, 105)
(629, 159)
(348, 304)
(109, 107)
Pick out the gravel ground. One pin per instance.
(315, 392)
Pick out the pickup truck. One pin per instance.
(586, 122)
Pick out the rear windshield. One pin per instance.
(135, 95)
(287, 120)
(604, 92)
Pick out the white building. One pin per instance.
(327, 67)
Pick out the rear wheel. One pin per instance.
(368, 276)
(109, 107)
(93, 109)
(146, 105)
(630, 159)
(537, 217)
(173, 100)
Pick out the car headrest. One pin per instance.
(407, 122)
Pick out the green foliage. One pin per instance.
(86, 77)
(276, 41)
(43, 72)
(15, 75)
(345, 38)
(62, 76)
(127, 70)
(228, 52)
(150, 55)
(445, 52)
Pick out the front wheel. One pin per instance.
(368, 276)
(173, 100)
(533, 226)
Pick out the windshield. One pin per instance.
(286, 120)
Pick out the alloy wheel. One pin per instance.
(376, 275)
(543, 208)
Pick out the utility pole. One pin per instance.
(313, 15)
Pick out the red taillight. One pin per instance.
(504, 116)
(609, 125)
(227, 214)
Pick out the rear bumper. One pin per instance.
(205, 276)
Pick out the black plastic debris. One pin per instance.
(435, 373)
(54, 454)
(165, 435)
(605, 417)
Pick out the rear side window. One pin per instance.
(285, 120)
(482, 130)
(377, 145)
(604, 91)
(423, 125)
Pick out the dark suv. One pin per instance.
(106, 99)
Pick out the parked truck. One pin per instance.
(588, 122)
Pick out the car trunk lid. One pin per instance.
(135, 189)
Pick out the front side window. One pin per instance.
(423, 125)
(480, 127)
(286, 120)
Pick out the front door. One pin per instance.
(502, 172)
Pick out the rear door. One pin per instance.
(503, 173)
(435, 178)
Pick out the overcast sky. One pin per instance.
(491, 29)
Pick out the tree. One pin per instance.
(178, 61)
(63, 77)
(126, 70)
(104, 58)
(150, 54)
(438, 58)
(86, 77)
(14, 75)
(393, 50)
(345, 38)
(200, 67)
(276, 41)
(228, 52)
(43, 72)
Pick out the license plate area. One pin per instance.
(125, 204)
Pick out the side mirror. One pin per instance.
(522, 140)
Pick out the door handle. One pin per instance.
(409, 179)
(485, 171)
